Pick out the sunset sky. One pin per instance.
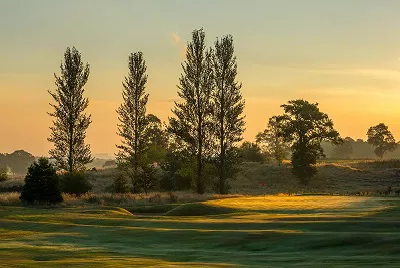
(343, 54)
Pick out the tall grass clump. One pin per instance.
(382, 164)
(10, 199)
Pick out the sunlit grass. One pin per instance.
(292, 202)
(260, 231)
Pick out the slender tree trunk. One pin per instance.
(222, 155)
(199, 186)
(70, 154)
(135, 155)
(222, 139)
(222, 169)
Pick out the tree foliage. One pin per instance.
(147, 179)
(304, 127)
(75, 183)
(3, 174)
(228, 109)
(157, 140)
(271, 141)
(193, 122)
(70, 123)
(344, 150)
(18, 161)
(120, 184)
(383, 140)
(172, 178)
(250, 152)
(132, 112)
(143, 140)
(41, 184)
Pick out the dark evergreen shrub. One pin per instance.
(41, 184)
(75, 183)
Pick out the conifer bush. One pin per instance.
(41, 184)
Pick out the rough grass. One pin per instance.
(270, 231)
(334, 176)
(339, 177)
(123, 200)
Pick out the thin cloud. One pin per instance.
(387, 74)
(181, 45)
(175, 38)
(381, 72)
(353, 92)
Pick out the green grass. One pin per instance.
(255, 231)
(198, 209)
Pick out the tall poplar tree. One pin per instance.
(132, 114)
(70, 122)
(228, 110)
(193, 122)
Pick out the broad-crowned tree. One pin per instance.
(382, 139)
(304, 127)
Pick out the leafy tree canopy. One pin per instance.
(304, 127)
(272, 143)
(380, 137)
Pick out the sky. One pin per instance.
(343, 54)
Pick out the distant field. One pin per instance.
(338, 176)
(334, 176)
(254, 231)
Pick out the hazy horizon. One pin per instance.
(342, 54)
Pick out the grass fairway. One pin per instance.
(258, 231)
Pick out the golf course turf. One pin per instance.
(253, 231)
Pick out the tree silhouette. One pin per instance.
(273, 143)
(132, 115)
(304, 127)
(41, 184)
(344, 150)
(157, 140)
(193, 123)
(68, 132)
(228, 109)
(380, 137)
(251, 152)
(19, 161)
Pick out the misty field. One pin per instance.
(255, 231)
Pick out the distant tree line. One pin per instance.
(16, 162)
(380, 143)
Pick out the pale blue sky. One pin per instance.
(342, 53)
